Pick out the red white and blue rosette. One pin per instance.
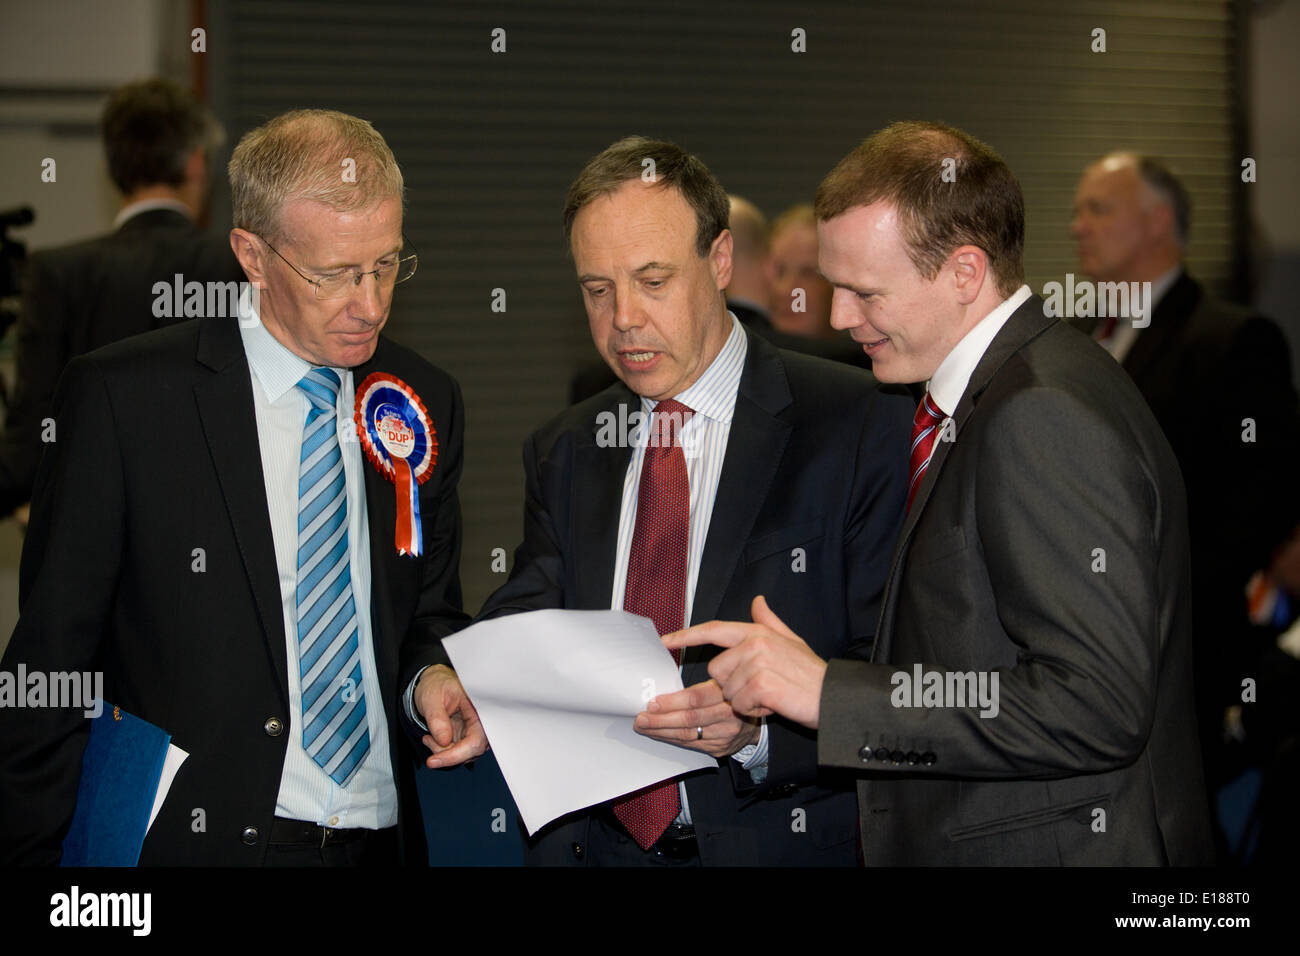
(400, 442)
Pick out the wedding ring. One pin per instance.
(699, 733)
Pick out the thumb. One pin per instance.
(764, 615)
(436, 719)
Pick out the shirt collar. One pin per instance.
(273, 365)
(149, 205)
(953, 374)
(713, 394)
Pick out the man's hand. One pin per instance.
(679, 718)
(767, 668)
(455, 734)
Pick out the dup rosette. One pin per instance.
(400, 441)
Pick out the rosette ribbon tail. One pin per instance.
(409, 534)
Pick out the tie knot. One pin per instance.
(927, 414)
(321, 386)
(668, 418)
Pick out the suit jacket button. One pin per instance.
(865, 753)
(928, 758)
(913, 757)
(579, 851)
(274, 726)
(897, 757)
(882, 754)
(249, 836)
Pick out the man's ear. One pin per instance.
(248, 250)
(969, 265)
(720, 259)
(1160, 223)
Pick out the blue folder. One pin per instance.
(120, 771)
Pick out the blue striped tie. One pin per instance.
(334, 731)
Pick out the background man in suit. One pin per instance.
(159, 140)
(1045, 546)
(787, 477)
(207, 532)
(800, 296)
(1218, 378)
(747, 292)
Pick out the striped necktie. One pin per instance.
(334, 730)
(925, 428)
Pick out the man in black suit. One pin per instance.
(1218, 378)
(1028, 700)
(159, 141)
(793, 485)
(208, 533)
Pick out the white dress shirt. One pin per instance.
(953, 374)
(306, 791)
(704, 440)
(149, 205)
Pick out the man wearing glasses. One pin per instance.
(246, 566)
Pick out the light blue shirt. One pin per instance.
(306, 791)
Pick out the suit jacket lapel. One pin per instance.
(598, 476)
(1167, 321)
(755, 446)
(394, 578)
(225, 404)
(1025, 323)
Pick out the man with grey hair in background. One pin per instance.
(246, 566)
(1218, 378)
(747, 292)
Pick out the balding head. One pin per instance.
(319, 156)
(749, 252)
(1131, 216)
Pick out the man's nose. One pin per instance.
(844, 313)
(370, 298)
(626, 314)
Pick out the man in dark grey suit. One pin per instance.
(158, 140)
(1028, 700)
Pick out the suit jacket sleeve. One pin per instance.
(69, 577)
(537, 575)
(1056, 482)
(40, 354)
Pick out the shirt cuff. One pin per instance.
(408, 701)
(753, 757)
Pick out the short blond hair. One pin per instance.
(320, 156)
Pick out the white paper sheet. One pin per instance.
(557, 692)
(171, 763)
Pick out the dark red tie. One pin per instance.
(656, 585)
(925, 428)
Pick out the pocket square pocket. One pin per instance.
(937, 546)
(784, 539)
